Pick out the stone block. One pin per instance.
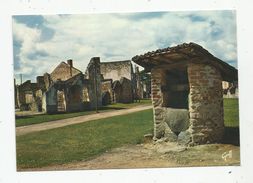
(177, 119)
(184, 137)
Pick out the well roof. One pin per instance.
(180, 55)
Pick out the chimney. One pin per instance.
(95, 60)
(70, 62)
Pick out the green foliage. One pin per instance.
(82, 141)
(145, 77)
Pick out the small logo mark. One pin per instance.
(226, 155)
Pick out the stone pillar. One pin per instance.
(205, 104)
(161, 129)
(94, 72)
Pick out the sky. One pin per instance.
(41, 42)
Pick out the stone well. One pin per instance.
(187, 96)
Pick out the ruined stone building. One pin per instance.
(28, 95)
(94, 87)
(64, 90)
(119, 82)
(187, 95)
(230, 89)
(67, 89)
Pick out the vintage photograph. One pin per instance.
(126, 90)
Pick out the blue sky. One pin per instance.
(40, 43)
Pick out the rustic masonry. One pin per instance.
(63, 89)
(187, 95)
(28, 96)
(120, 83)
(230, 90)
(93, 75)
(67, 89)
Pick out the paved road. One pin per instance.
(76, 120)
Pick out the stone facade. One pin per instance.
(126, 86)
(66, 89)
(126, 91)
(230, 89)
(205, 104)
(64, 96)
(64, 71)
(117, 69)
(107, 92)
(93, 74)
(138, 89)
(205, 107)
(157, 80)
(26, 96)
(116, 86)
(15, 94)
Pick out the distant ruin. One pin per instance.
(121, 87)
(68, 89)
(230, 89)
(187, 94)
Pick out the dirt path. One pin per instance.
(156, 155)
(80, 119)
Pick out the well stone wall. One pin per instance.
(206, 116)
(161, 129)
(205, 104)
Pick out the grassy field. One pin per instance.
(87, 140)
(231, 112)
(82, 141)
(40, 118)
(35, 119)
(125, 106)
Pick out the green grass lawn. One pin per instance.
(40, 118)
(35, 119)
(82, 141)
(121, 105)
(231, 112)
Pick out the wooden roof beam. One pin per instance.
(172, 66)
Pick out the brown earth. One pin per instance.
(157, 155)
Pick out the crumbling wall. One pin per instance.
(94, 88)
(161, 128)
(47, 80)
(126, 94)
(138, 85)
(205, 104)
(116, 91)
(15, 94)
(106, 87)
(230, 89)
(26, 94)
(75, 97)
(116, 70)
(49, 101)
(64, 72)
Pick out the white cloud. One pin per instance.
(119, 37)
(28, 38)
